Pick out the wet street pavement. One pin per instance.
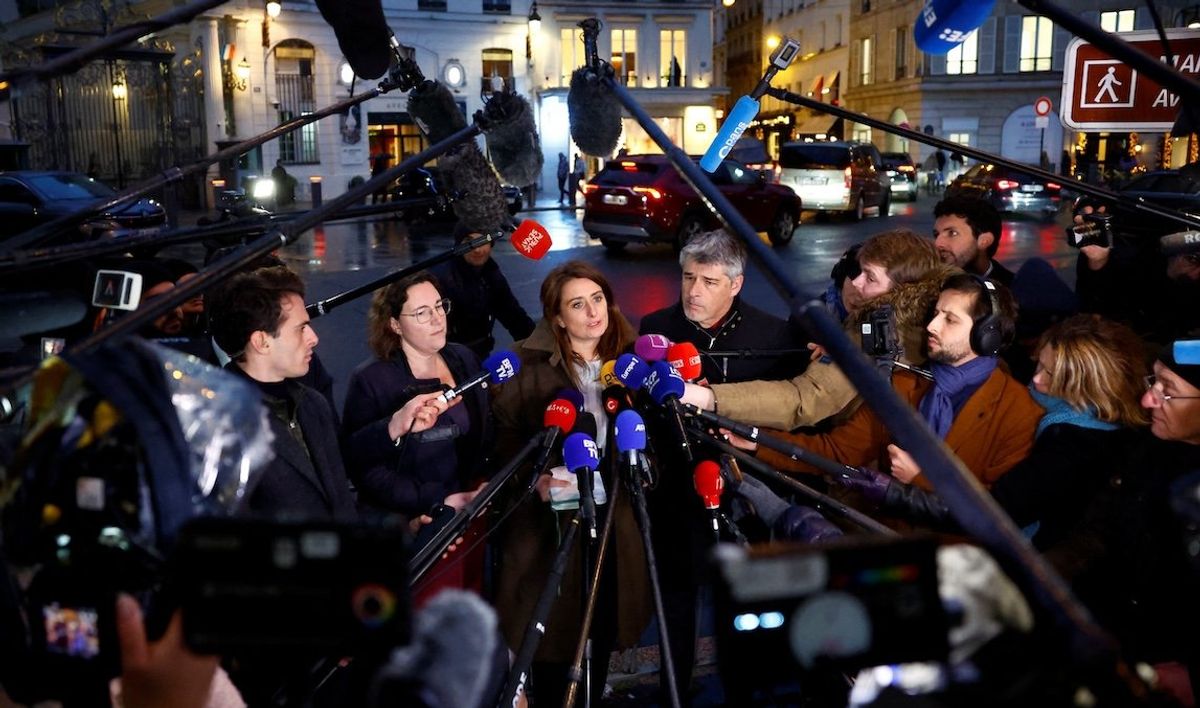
(341, 256)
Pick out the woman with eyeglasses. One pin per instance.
(407, 452)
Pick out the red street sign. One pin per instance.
(1042, 106)
(1102, 93)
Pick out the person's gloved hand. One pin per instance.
(803, 523)
(871, 484)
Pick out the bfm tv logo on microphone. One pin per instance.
(592, 451)
(505, 370)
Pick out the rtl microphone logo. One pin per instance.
(531, 239)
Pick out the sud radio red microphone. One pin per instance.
(531, 240)
(709, 485)
(651, 347)
(685, 358)
(558, 420)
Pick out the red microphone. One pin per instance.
(709, 484)
(558, 420)
(531, 240)
(685, 358)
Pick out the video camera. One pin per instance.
(1096, 230)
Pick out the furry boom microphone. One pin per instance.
(594, 113)
(512, 138)
(362, 34)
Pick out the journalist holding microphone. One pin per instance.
(581, 327)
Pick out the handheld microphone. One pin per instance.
(531, 240)
(608, 374)
(582, 458)
(632, 371)
(685, 358)
(1180, 244)
(945, 24)
(512, 138)
(362, 34)
(710, 485)
(498, 367)
(746, 108)
(652, 347)
(594, 114)
(665, 386)
(556, 421)
(630, 435)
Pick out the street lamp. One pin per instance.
(119, 89)
(274, 7)
(535, 24)
(239, 77)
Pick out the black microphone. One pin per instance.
(1180, 244)
(362, 34)
(665, 386)
(512, 138)
(616, 399)
(594, 113)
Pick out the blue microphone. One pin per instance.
(581, 457)
(498, 367)
(665, 386)
(632, 371)
(743, 113)
(631, 432)
(944, 24)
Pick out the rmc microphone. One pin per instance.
(497, 368)
(945, 24)
(747, 107)
(665, 386)
(581, 457)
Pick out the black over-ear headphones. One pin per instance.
(987, 334)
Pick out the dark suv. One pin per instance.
(642, 198)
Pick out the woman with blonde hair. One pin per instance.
(1089, 379)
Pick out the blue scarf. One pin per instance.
(833, 301)
(1059, 411)
(952, 386)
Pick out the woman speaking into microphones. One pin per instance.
(580, 329)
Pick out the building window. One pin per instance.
(901, 52)
(959, 138)
(431, 5)
(497, 6)
(295, 91)
(1037, 43)
(497, 71)
(866, 61)
(624, 55)
(1117, 21)
(571, 52)
(672, 53)
(964, 58)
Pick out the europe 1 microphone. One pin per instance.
(497, 369)
(582, 457)
(665, 386)
(632, 371)
(746, 108)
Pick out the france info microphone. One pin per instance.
(746, 108)
(632, 371)
(631, 435)
(945, 24)
(581, 457)
(531, 240)
(1180, 244)
(652, 347)
(665, 386)
(710, 485)
(512, 138)
(685, 358)
(498, 367)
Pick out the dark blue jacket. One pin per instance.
(480, 297)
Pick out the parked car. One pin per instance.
(1010, 191)
(642, 198)
(902, 174)
(845, 177)
(1166, 188)
(29, 198)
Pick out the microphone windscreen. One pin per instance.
(945, 24)
(632, 371)
(362, 34)
(433, 109)
(685, 358)
(652, 347)
(559, 414)
(586, 423)
(512, 138)
(1186, 351)
(594, 114)
(572, 395)
(608, 374)
(502, 366)
(579, 451)
(482, 207)
(631, 431)
(1180, 244)
(664, 383)
(744, 111)
(709, 483)
(531, 240)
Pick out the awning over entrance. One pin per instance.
(831, 82)
(818, 82)
(814, 125)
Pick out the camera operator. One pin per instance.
(1133, 282)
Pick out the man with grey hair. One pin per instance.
(712, 315)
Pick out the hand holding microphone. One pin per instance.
(420, 413)
(497, 368)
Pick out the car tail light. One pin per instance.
(1006, 184)
(849, 178)
(629, 166)
(1053, 185)
(907, 168)
(589, 188)
(649, 191)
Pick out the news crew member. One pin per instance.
(405, 450)
(480, 296)
(581, 327)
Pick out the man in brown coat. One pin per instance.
(985, 416)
